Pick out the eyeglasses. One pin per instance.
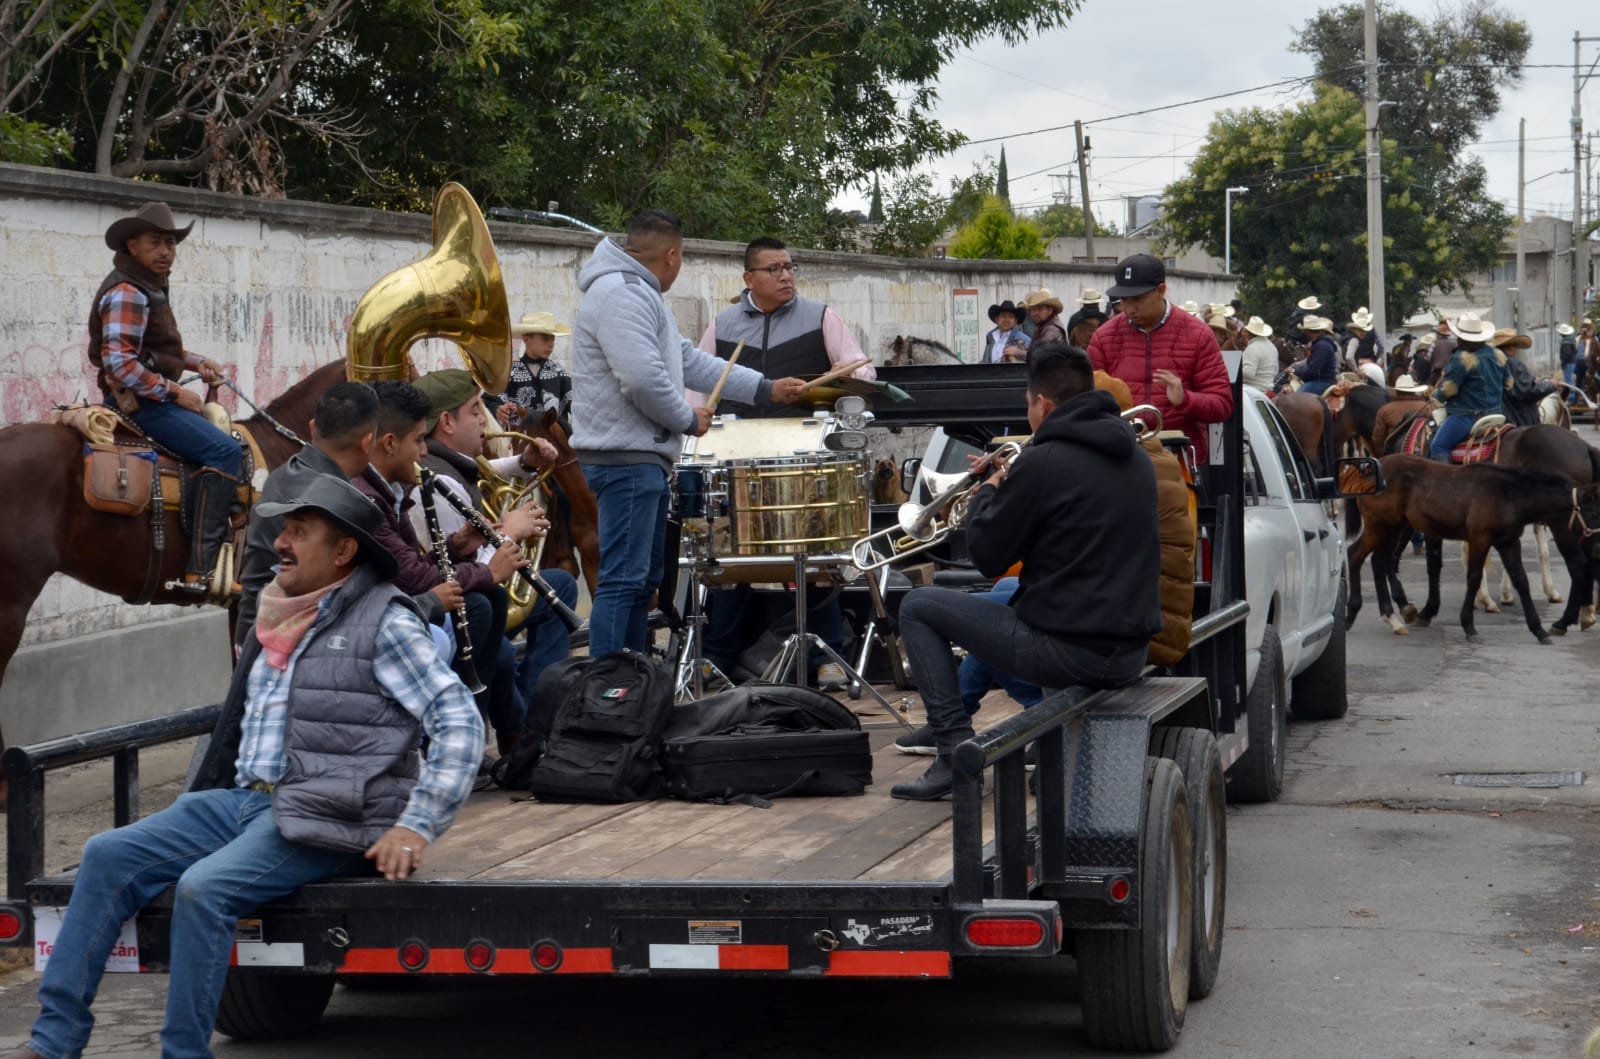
(779, 269)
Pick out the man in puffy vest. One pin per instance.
(312, 772)
(1167, 357)
(135, 346)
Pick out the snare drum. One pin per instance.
(745, 439)
(698, 492)
(811, 503)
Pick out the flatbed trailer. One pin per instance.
(1117, 861)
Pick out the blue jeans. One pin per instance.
(1569, 371)
(931, 619)
(633, 529)
(1452, 432)
(189, 434)
(223, 850)
(548, 640)
(978, 679)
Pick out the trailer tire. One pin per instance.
(260, 1005)
(1194, 751)
(1258, 774)
(1135, 983)
(1320, 693)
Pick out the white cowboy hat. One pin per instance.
(1192, 307)
(1428, 338)
(1218, 321)
(1373, 373)
(1470, 327)
(1406, 384)
(1222, 309)
(1316, 323)
(1258, 327)
(1563, 330)
(1042, 296)
(539, 324)
(1309, 303)
(1090, 296)
(1361, 318)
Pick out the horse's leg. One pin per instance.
(1577, 562)
(1355, 555)
(1382, 574)
(1541, 540)
(1396, 589)
(1477, 553)
(1511, 555)
(1482, 599)
(13, 620)
(1430, 607)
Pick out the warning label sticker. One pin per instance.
(716, 932)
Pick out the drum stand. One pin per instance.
(695, 673)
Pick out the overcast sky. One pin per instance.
(1114, 58)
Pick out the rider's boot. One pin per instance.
(211, 498)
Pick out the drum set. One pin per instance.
(777, 501)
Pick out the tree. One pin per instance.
(875, 212)
(1002, 182)
(995, 235)
(1301, 230)
(1060, 219)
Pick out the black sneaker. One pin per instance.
(918, 742)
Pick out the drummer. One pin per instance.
(783, 334)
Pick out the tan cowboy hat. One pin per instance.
(539, 324)
(1219, 322)
(1090, 296)
(1042, 296)
(1507, 338)
(1361, 318)
(1428, 338)
(1406, 384)
(1222, 309)
(1563, 330)
(151, 217)
(1470, 327)
(1192, 307)
(1309, 303)
(1316, 323)
(1258, 327)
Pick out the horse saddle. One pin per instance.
(1483, 444)
(123, 474)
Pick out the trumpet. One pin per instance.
(466, 667)
(921, 526)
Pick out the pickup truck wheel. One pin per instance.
(259, 1005)
(1319, 692)
(1258, 774)
(1135, 983)
(1194, 751)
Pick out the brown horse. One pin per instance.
(1485, 505)
(574, 513)
(1324, 433)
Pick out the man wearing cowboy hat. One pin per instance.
(1005, 341)
(537, 382)
(1082, 325)
(313, 771)
(1259, 367)
(1400, 355)
(1422, 358)
(1306, 305)
(1044, 309)
(138, 353)
(1444, 345)
(1321, 366)
(1523, 392)
(1474, 383)
(1362, 345)
(1569, 352)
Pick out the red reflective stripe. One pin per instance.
(371, 961)
(753, 957)
(586, 961)
(507, 961)
(865, 964)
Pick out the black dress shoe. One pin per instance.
(937, 783)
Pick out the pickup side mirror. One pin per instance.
(1357, 476)
(908, 473)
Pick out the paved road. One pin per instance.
(1376, 910)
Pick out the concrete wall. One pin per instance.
(267, 287)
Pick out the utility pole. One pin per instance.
(1579, 258)
(1376, 300)
(1083, 185)
(1522, 214)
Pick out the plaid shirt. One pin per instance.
(409, 670)
(123, 313)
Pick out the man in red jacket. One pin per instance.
(1167, 357)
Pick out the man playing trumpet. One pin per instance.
(1078, 509)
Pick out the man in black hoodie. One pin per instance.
(1078, 509)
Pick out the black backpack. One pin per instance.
(605, 731)
(514, 771)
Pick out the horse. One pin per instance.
(573, 510)
(906, 350)
(1322, 432)
(1485, 505)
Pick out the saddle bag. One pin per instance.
(605, 734)
(117, 478)
(765, 741)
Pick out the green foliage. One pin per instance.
(1002, 182)
(995, 235)
(30, 143)
(875, 211)
(1060, 219)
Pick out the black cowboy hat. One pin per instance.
(151, 217)
(1007, 306)
(355, 513)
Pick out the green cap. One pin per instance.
(446, 391)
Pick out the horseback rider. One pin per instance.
(1321, 365)
(135, 347)
(1523, 391)
(1473, 385)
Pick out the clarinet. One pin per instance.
(546, 590)
(466, 667)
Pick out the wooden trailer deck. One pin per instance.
(871, 837)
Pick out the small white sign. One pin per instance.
(966, 332)
(264, 954)
(47, 927)
(685, 957)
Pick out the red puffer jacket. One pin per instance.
(1182, 345)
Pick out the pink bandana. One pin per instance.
(282, 621)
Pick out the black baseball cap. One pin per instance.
(1137, 275)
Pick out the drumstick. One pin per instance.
(716, 393)
(837, 373)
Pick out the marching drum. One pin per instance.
(809, 503)
(744, 439)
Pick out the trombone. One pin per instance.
(921, 526)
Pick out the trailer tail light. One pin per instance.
(10, 925)
(479, 955)
(1020, 933)
(546, 955)
(1118, 889)
(413, 955)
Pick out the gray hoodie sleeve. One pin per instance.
(627, 336)
(701, 370)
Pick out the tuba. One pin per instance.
(456, 293)
(500, 495)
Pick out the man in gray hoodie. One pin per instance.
(630, 366)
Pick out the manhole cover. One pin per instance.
(1571, 778)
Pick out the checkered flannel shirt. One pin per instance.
(124, 311)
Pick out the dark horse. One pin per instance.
(1324, 433)
(1485, 505)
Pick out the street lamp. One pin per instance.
(1227, 227)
